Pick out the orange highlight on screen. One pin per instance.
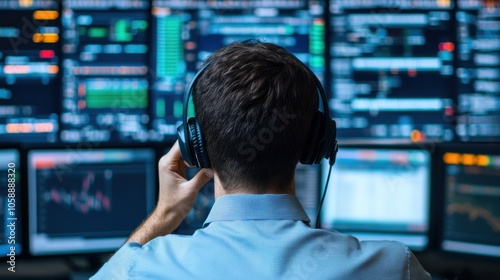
(45, 38)
(19, 128)
(16, 69)
(44, 127)
(45, 15)
(53, 69)
(157, 11)
(452, 158)
(468, 159)
(44, 164)
(483, 160)
(444, 3)
(417, 136)
(25, 3)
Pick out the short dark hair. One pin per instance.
(255, 103)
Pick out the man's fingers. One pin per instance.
(172, 161)
(174, 154)
(201, 178)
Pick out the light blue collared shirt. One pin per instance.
(264, 236)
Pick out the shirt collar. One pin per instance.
(256, 207)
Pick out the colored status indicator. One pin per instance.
(45, 15)
(45, 163)
(466, 159)
(444, 3)
(44, 127)
(417, 136)
(47, 54)
(45, 38)
(447, 46)
(25, 3)
(30, 69)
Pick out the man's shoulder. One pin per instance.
(352, 244)
(330, 253)
(170, 242)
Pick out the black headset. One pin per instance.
(322, 142)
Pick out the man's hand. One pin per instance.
(176, 197)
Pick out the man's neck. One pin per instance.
(220, 191)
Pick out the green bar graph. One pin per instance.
(122, 31)
(170, 53)
(98, 32)
(160, 108)
(317, 45)
(178, 108)
(101, 95)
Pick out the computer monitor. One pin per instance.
(29, 65)
(105, 74)
(478, 70)
(471, 212)
(87, 201)
(10, 204)
(392, 70)
(378, 193)
(306, 189)
(185, 33)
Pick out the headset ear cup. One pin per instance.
(198, 142)
(185, 146)
(313, 145)
(329, 145)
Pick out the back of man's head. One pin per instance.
(255, 103)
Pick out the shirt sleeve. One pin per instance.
(417, 272)
(118, 267)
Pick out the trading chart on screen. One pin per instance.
(84, 201)
(471, 203)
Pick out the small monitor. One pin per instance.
(10, 204)
(379, 194)
(87, 201)
(471, 201)
(306, 190)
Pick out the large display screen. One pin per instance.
(185, 33)
(392, 70)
